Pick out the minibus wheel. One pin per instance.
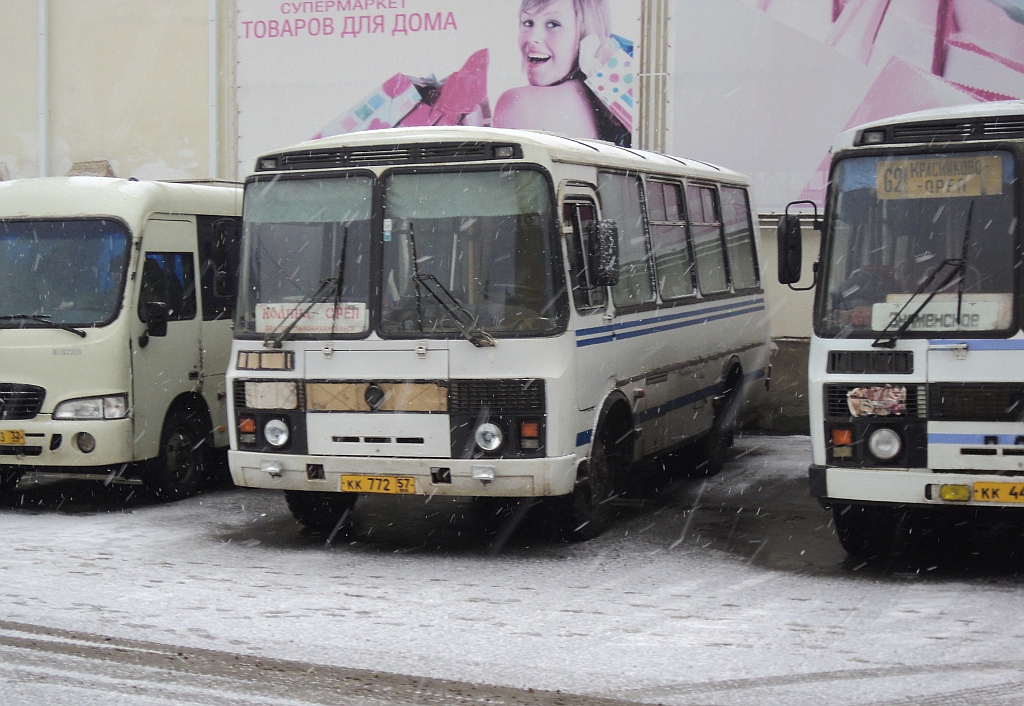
(867, 531)
(587, 510)
(8, 480)
(180, 467)
(321, 512)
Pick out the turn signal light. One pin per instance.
(955, 493)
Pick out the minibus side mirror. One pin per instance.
(790, 249)
(156, 322)
(604, 253)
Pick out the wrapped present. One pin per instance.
(405, 100)
(608, 67)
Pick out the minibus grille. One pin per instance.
(990, 128)
(871, 362)
(504, 396)
(20, 401)
(391, 154)
(976, 402)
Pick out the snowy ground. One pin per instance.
(680, 602)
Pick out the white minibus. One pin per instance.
(116, 303)
(488, 313)
(916, 393)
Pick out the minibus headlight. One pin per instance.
(884, 444)
(105, 407)
(489, 437)
(276, 432)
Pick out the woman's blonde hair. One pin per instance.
(593, 15)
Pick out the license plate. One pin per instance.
(12, 437)
(999, 492)
(388, 485)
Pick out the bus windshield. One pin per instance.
(458, 250)
(486, 238)
(920, 245)
(61, 273)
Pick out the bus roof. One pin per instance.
(536, 145)
(127, 199)
(956, 119)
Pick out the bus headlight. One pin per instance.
(276, 432)
(105, 407)
(884, 444)
(489, 437)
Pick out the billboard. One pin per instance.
(313, 68)
(759, 86)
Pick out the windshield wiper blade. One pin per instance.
(43, 319)
(274, 339)
(462, 318)
(959, 269)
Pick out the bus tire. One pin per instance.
(867, 531)
(181, 466)
(321, 512)
(8, 480)
(587, 510)
(716, 445)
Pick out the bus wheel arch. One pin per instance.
(183, 458)
(600, 476)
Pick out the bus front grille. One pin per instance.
(976, 402)
(20, 401)
(469, 397)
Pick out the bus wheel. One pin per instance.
(716, 445)
(587, 509)
(321, 512)
(180, 468)
(866, 531)
(8, 480)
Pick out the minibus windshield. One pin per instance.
(920, 245)
(61, 273)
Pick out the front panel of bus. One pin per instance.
(405, 327)
(916, 391)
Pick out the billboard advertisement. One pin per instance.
(759, 86)
(313, 68)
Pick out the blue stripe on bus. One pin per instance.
(982, 345)
(584, 437)
(975, 439)
(659, 324)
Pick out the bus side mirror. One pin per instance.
(790, 244)
(604, 253)
(156, 321)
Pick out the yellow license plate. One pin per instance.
(999, 492)
(12, 437)
(388, 485)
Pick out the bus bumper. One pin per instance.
(432, 476)
(61, 445)
(914, 487)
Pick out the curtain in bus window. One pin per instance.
(672, 263)
(620, 202)
(707, 239)
(739, 238)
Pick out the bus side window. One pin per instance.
(169, 278)
(219, 243)
(620, 202)
(673, 263)
(706, 227)
(577, 216)
(739, 238)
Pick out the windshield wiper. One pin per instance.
(274, 339)
(462, 318)
(43, 319)
(959, 268)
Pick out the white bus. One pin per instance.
(116, 304)
(916, 392)
(487, 313)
